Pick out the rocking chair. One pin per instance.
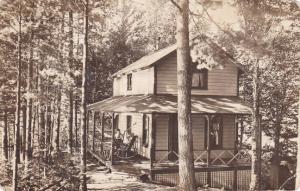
(127, 151)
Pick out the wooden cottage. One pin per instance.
(144, 101)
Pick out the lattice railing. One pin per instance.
(165, 159)
(217, 157)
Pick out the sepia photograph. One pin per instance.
(149, 95)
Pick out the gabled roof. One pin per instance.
(147, 60)
(150, 59)
(168, 104)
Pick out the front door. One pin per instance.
(173, 137)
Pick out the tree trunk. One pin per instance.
(33, 131)
(23, 132)
(186, 163)
(256, 147)
(29, 107)
(297, 185)
(76, 124)
(70, 60)
(56, 137)
(83, 186)
(57, 126)
(70, 122)
(5, 136)
(276, 156)
(46, 146)
(16, 158)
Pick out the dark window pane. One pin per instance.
(129, 82)
(199, 79)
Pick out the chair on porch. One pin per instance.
(127, 151)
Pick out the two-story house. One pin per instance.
(144, 101)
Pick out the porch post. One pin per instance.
(236, 142)
(102, 130)
(87, 128)
(208, 117)
(112, 138)
(152, 144)
(94, 129)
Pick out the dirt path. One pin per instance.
(101, 179)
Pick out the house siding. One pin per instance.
(198, 124)
(142, 83)
(161, 138)
(198, 128)
(222, 82)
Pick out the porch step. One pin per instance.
(135, 168)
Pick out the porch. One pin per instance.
(219, 165)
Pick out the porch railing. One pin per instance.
(217, 157)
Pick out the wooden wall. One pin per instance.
(198, 124)
(161, 138)
(142, 83)
(220, 81)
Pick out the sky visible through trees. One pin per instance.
(50, 55)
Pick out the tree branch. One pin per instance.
(214, 22)
(176, 5)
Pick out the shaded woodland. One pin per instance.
(58, 56)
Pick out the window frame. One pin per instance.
(146, 127)
(204, 71)
(221, 145)
(128, 119)
(129, 82)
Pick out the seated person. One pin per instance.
(127, 136)
(118, 138)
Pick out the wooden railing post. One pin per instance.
(152, 145)
(112, 138)
(208, 149)
(94, 129)
(236, 142)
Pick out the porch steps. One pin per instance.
(135, 167)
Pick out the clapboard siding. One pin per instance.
(228, 131)
(142, 83)
(198, 123)
(220, 81)
(162, 123)
(161, 138)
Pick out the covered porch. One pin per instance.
(157, 142)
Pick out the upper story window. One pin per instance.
(199, 79)
(129, 82)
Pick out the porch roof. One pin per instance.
(168, 104)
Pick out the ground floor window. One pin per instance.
(145, 138)
(215, 134)
(129, 122)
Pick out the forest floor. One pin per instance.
(102, 178)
